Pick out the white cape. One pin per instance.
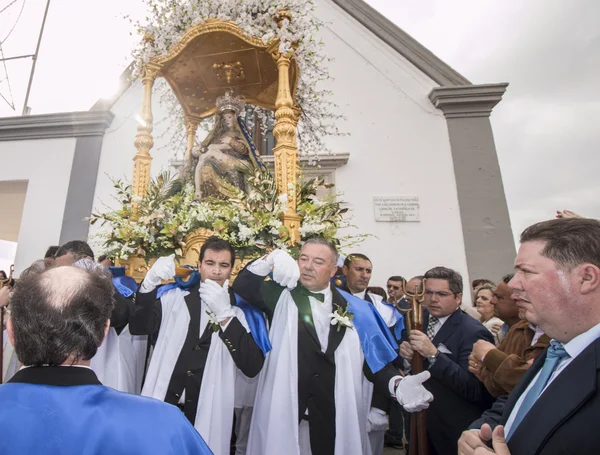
(274, 428)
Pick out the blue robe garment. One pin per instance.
(91, 419)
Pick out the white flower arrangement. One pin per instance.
(168, 21)
(251, 222)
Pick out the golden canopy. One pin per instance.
(216, 56)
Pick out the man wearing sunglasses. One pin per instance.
(394, 289)
(445, 343)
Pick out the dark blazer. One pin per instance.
(316, 369)
(145, 319)
(457, 394)
(563, 419)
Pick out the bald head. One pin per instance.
(62, 284)
(59, 315)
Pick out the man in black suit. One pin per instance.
(201, 339)
(311, 388)
(553, 410)
(446, 344)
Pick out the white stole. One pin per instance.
(214, 416)
(274, 428)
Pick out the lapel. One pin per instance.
(558, 402)
(447, 329)
(335, 335)
(305, 313)
(194, 305)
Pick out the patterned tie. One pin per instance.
(555, 353)
(431, 326)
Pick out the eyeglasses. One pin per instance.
(440, 294)
(395, 288)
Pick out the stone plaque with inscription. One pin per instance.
(396, 208)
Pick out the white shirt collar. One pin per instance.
(361, 295)
(582, 341)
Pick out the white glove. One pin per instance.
(285, 268)
(162, 269)
(377, 420)
(411, 394)
(217, 299)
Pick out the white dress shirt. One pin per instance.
(320, 313)
(574, 347)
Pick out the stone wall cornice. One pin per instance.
(468, 100)
(59, 125)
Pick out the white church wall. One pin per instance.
(45, 164)
(398, 145)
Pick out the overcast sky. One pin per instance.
(546, 127)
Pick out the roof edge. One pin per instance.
(403, 43)
(58, 125)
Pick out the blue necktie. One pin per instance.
(555, 353)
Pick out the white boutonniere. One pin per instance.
(341, 318)
(212, 319)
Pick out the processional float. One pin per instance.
(211, 59)
(413, 320)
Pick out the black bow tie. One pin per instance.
(317, 295)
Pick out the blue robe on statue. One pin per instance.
(67, 411)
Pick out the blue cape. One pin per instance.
(399, 327)
(378, 345)
(89, 420)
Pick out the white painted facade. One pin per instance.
(45, 165)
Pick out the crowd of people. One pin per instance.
(303, 356)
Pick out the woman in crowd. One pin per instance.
(484, 301)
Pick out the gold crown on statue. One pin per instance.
(230, 102)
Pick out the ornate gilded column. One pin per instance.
(191, 126)
(287, 164)
(143, 139)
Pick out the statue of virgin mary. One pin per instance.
(222, 161)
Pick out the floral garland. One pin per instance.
(168, 21)
(251, 222)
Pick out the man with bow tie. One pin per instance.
(310, 397)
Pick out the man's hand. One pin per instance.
(475, 366)
(4, 296)
(498, 443)
(481, 348)
(421, 343)
(162, 269)
(473, 439)
(217, 300)
(285, 268)
(411, 394)
(406, 352)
